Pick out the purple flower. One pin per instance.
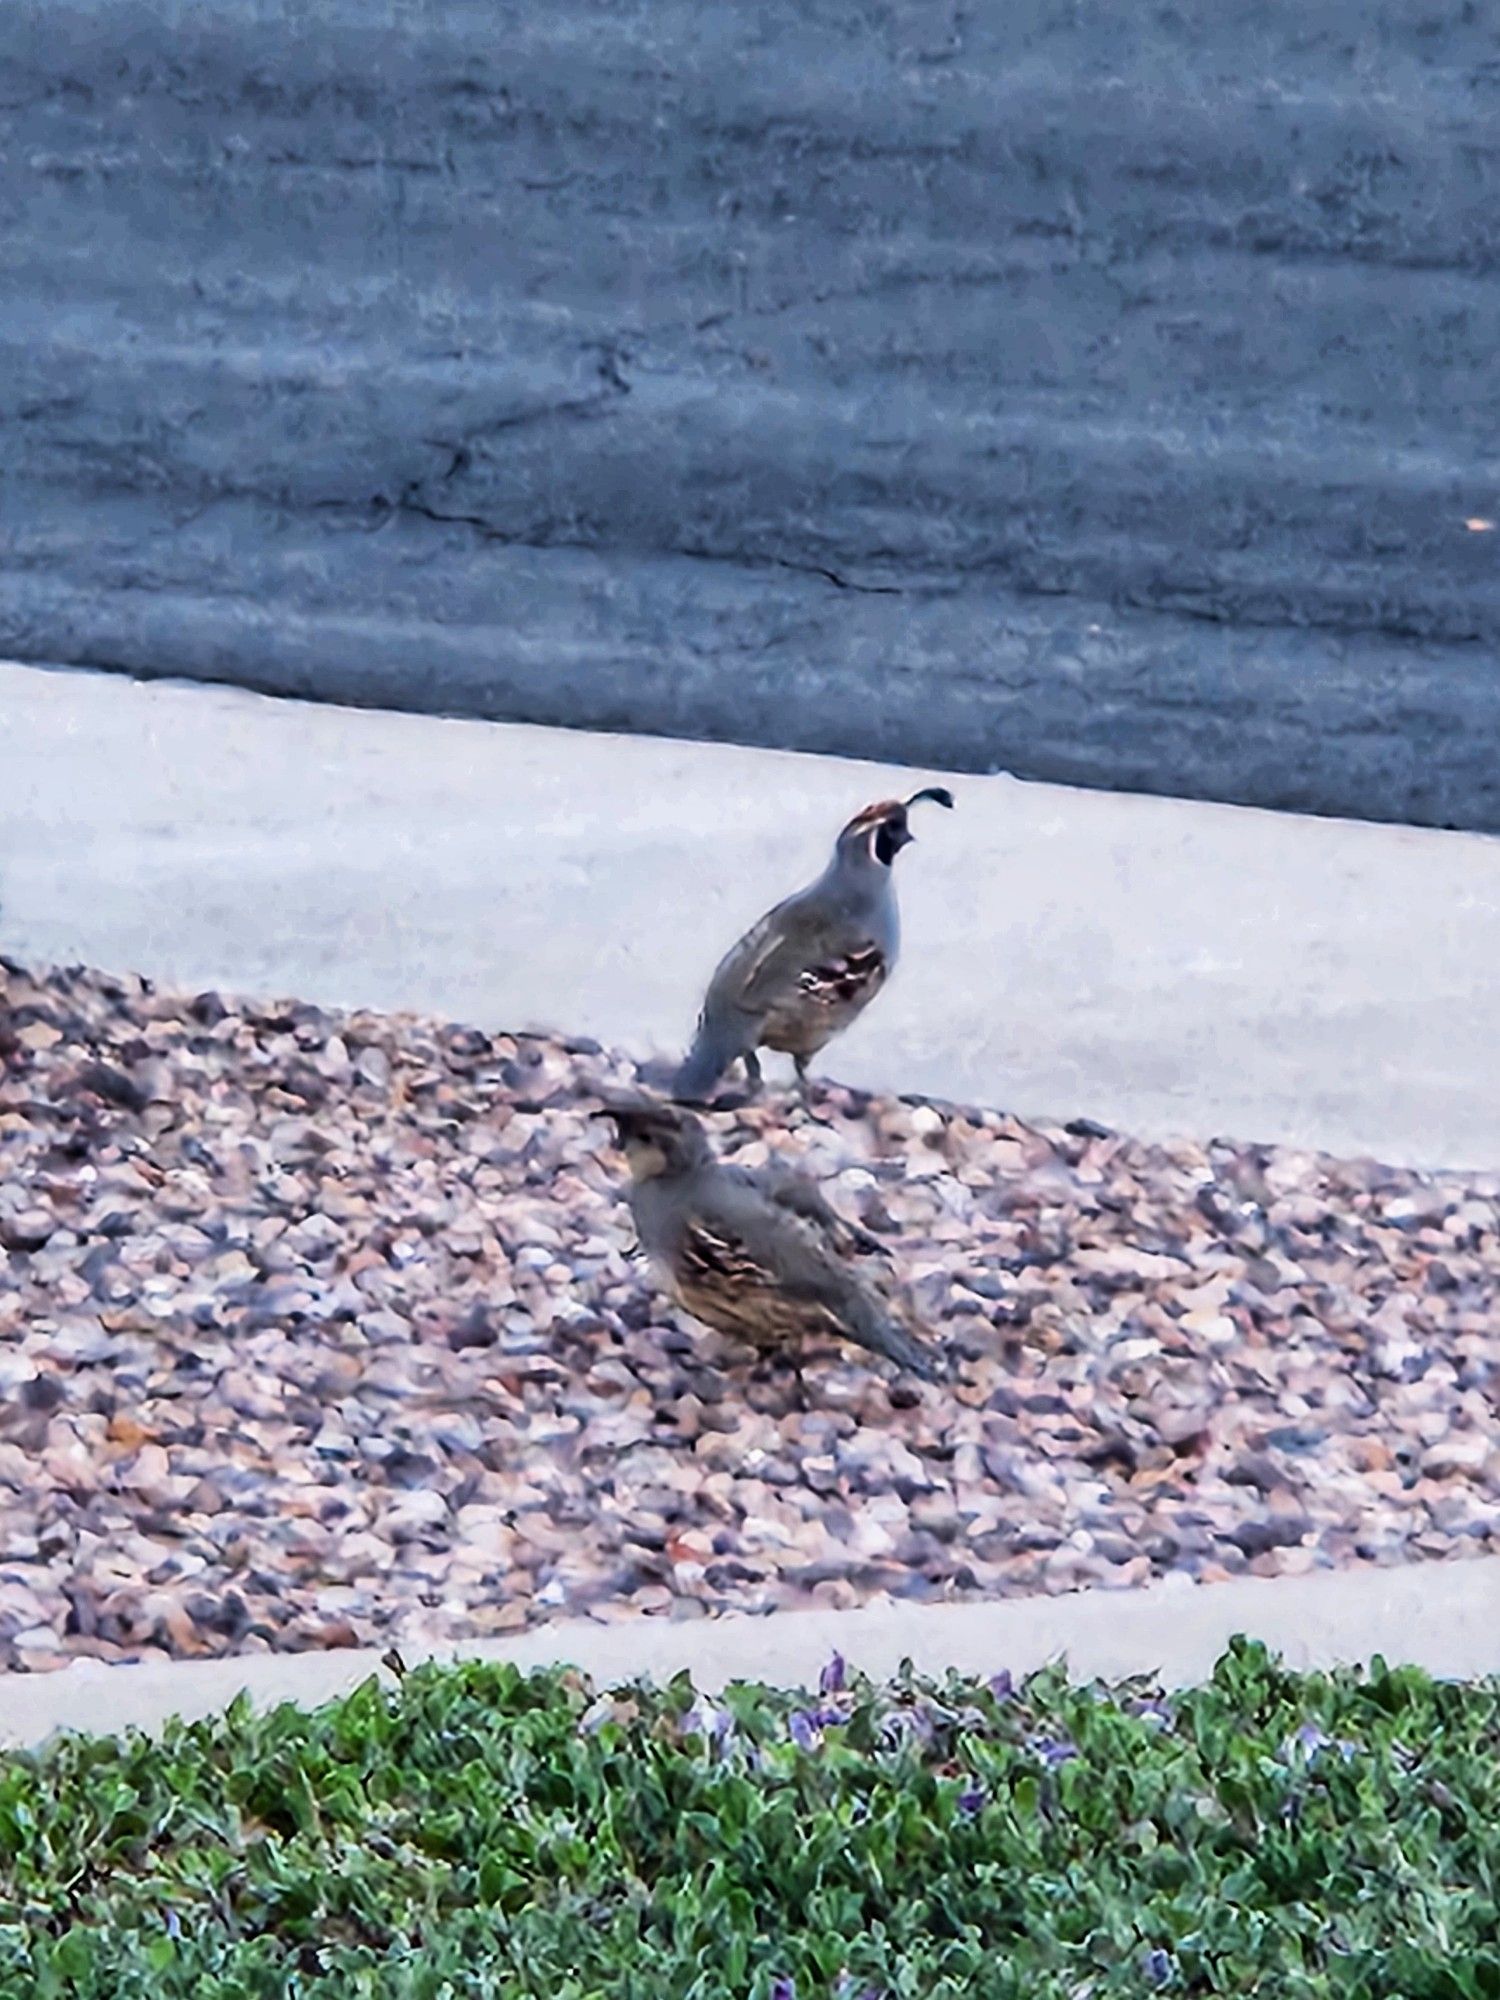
(971, 1800)
(905, 1725)
(1155, 1711)
(1158, 1965)
(1002, 1687)
(1311, 1741)
(1054, 1750)
(714, 1724)
(783, 1988)
(804, 1730)
(832, 1678)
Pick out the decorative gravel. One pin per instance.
(327, 1329)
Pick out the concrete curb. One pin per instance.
(1164, 966)
(1441, 1616)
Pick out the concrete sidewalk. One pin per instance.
(1441, 1616)
(1159, 965)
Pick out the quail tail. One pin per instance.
(701, 1068)
(884, 1334)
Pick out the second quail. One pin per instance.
(762, 1257)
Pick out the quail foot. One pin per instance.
(812, 964)
(760, 1256)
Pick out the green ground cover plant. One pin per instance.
(474, 1832)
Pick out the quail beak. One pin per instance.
(626, 1121)
(635, 1124)
(644, 1150)
(623, 1117)
(626, 1135)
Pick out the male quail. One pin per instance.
(760, 1256)
(812, 964)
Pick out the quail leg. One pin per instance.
(799, 1063)
(779, 1370)
(753, 1075)
(798, 1400)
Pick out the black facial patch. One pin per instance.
(890, 837)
